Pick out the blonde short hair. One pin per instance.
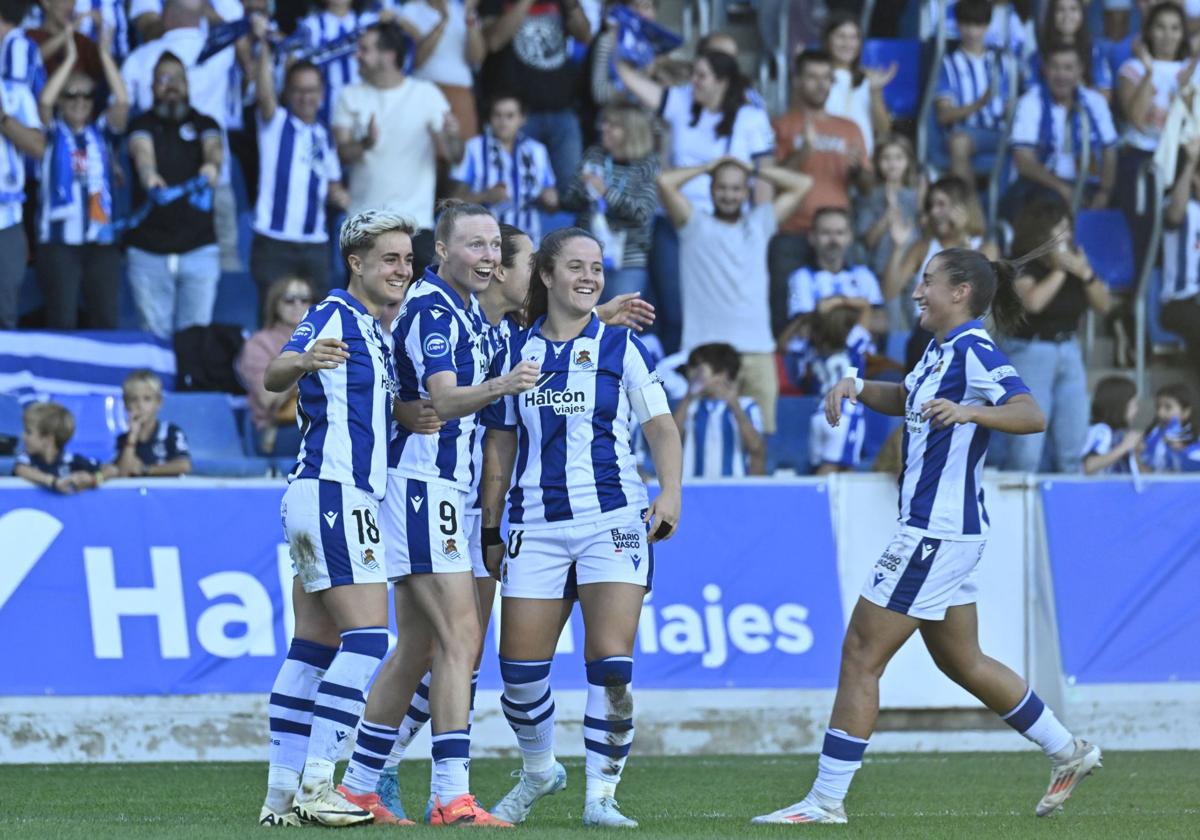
(635, 121)
(143, 376)
(50, 418)
(359, 232)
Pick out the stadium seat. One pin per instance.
(10, 415)
(212, 433)
(903, 93)
(1105, 238)
(237, 301)
(1161, 339)
(788, 447)
(7, 463)
(98, 421)
(879, 428)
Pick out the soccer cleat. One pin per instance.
(1066, 775)
(318, 803)
(388, 790)
(269, 819)
(605, 813)
(464, 811)
(371, 802)
(808, 810)
(516, 804)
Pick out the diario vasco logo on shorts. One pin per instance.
(583, 359)
(450, 549)
(560, 402)
(368, 559)
(625, 539)
(436, 346)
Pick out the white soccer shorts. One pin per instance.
(841, 444)
(473, 525)
(423, 523)
(551, 562)
(333, 534)
(924, 576)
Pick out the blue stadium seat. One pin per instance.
(237, 301)
(10, 415)
(97, 423)
(1160, 337)
(879, 428)
(1105, 238)
(903, 93)
(212, 433)
(788, 447)
(7, 462)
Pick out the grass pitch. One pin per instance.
(926, 795)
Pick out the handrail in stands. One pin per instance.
(1149, 179)
(998, 167)
(868, 12)
(703, 19)
(939, 52)
(778, 59)
(1084, 165)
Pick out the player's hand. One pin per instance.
(325, 354)
(847, 389)
(520, 379)
(663, 513)
(418, 416)
(627, 310)
(943, 412)
(493, 558)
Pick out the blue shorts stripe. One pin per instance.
(291, 727)
(333, 538)
(330, 713)
(608, 725)
(420, 561)
(610, 750)
(913, 578)
(298, 704)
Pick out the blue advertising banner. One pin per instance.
(1126, 567)
(179, 590)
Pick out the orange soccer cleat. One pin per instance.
(464, 811)
(371, 802)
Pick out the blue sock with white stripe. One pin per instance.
(340, 701)
(607, 724)
(371, 750)
(528, 704)
(451, 765)
(414, 719)
(290, 712)
(1033, 719)
(841, 756)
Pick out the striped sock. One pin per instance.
(529, 706)
(290, 712)
(1034, 719)
(340, 701)
(841, 756)
(607, 724)
(415, 718)
(451, 765)
(370, 752)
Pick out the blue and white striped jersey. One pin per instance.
(495, 340)
(18, 102)
(712, 443)
(964, 77)
(808, 286)
(112, 15)
(526, 171)
(21, 61)
(574, 429)
(344, 413)
(941, 493)
(299, 162)
(1102, 439)
(438, 332)
(325, 28)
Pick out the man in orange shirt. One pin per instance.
(829, 149)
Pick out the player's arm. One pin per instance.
(884, 397)
(499, 455)
(417, 416)
(665, 448)
(41, 479)
(1020, 415)
(451, 400)
(285, 370)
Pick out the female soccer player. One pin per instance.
(962, 389)
(579, 522)
(340, 361)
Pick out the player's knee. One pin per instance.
(613, 674)
(859, 655)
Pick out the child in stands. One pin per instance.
(45, 461)
(150, 447)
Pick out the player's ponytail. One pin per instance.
(537, 301)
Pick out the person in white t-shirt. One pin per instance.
(450, 46)
(723, 255)
(399, 175)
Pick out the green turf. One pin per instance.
(966, 795)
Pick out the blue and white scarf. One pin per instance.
(96, 182)
(1046, 146)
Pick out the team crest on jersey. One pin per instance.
(625, 539)
(436, 346)
(450, 549)
(583, 359)
(368, 559)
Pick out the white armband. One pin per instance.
(649, 401)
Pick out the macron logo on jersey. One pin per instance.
(416, 502)
(331, 517)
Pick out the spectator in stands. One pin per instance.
(831, 150)
(722, 432)
(1112, 444)
(77, 250)
(338, 25)
(600, 73)
(20, 58)
(450, 46)
(149, 17)
(274, 414)
(1065, 24)
(48, 427)
(60, 24)
(723, 256)
(857, 92)
(708, 118)
(973, 88)
(1010, 29)
(507, 171)
(527, 52)
(839, 343)
(299, 173)
(174, 261)
(1048, 136)
(1180, 296)
(1057, 290)
(20, 135)
(1171, 443)
(619, 175)
(150, 447)
(896, 196)
(400, 174)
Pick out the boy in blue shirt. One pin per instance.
(150, 447)
(45, 461)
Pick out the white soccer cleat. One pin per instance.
(319, 804)
(269, 819)
(517, 803)
(1066, 775)
(807, 810)
(605, 813)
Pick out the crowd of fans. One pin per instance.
(779, 250)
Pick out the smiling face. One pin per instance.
(942, 217)
(578, 278)
(303, 93)
(472, 254)
(844, 44)
(893, 163)
(170, 83)
(1165, 34)
(1167, 409)
(1064, 71)
(942, 303)
(1067, 18)
(813, 83)
(77, 100)
(831, 237)
(293, 303)
(707, 89)
(516, 279)
(380, 277)
(730, 190)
